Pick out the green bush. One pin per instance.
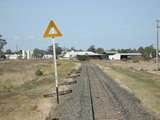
(39, 72)
(83, 57)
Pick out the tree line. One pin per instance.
(36, 52)
(147, 51)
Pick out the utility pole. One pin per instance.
(157, 50)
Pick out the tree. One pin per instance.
(19, 52)
(92, 48)
(129, 50)
(147, 52)
(58, 49)
(2, 44)
(113, 49)
(141, 50)
(73, 48)
(8, 51)
(38, 53)
(100, 50)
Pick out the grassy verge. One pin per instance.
(22, 89)
(146, 86)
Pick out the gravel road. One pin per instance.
(97, 97)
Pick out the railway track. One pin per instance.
(111, 110)
(97, 97)
(90, 92)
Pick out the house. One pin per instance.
(124, 56)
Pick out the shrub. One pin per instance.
(83, 57)
(135, 61)
(39, 72)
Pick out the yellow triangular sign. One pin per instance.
(51, 26)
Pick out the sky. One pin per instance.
(103, 23)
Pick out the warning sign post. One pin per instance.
(56, 33)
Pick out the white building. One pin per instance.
(74, 54)
(12, 56)
(48, 56)
(120, 56)
(27, 54)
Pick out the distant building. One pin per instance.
(48, 56)
(12, 56)
(76, 54)
(110, 52)
(27, 54)
(124, 56)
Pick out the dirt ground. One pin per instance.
(23, 85)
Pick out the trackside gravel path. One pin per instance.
(97, 97)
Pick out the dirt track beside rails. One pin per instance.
(97, 97)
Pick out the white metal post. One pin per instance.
(55, 69)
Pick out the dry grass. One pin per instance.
(16, 73)
(148, 66)
(144, 84)
(21, 90)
